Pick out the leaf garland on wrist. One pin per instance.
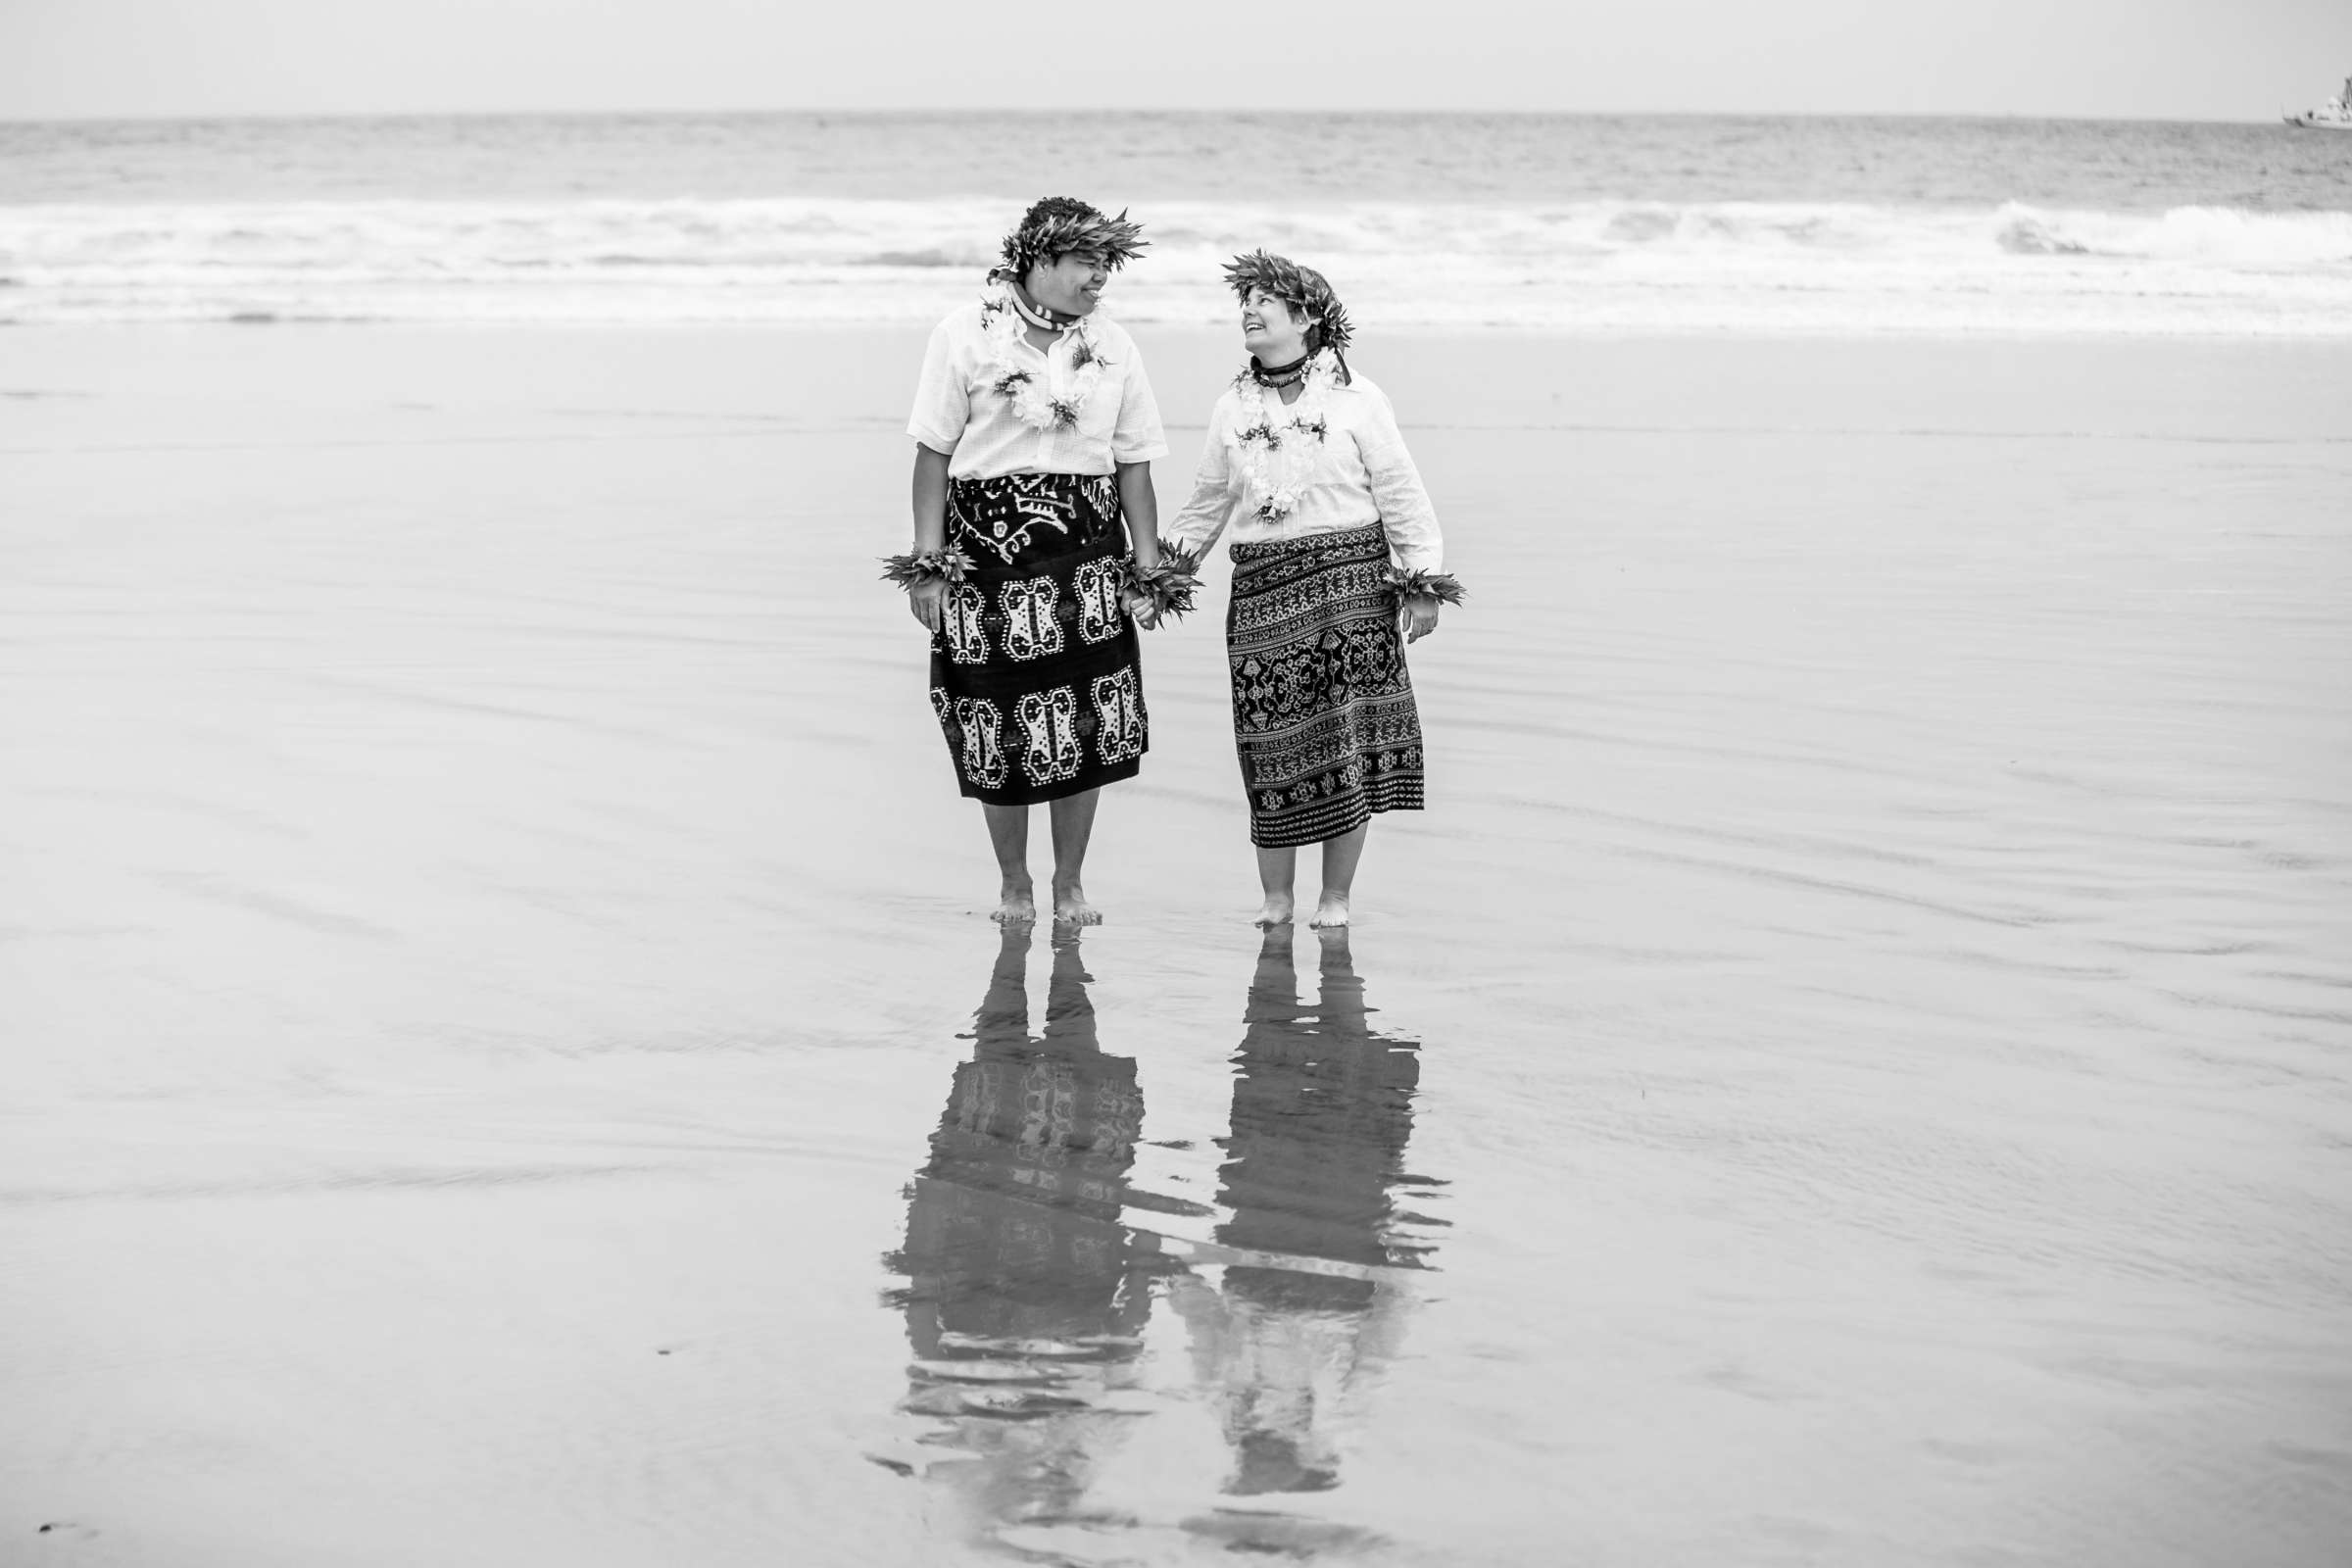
(1169, 582)
(1443, 586)
(910, 572)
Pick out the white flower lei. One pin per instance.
(1260, 439)
(1033, 401)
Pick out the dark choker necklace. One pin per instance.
(1278, 375)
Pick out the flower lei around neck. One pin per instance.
(1033, 401)
(1274, 478)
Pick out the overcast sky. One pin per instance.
(2164, 59)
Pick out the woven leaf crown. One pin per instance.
(1062, 225)
(1302, 288)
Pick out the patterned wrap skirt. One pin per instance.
(1036, 673)
(1323, 706)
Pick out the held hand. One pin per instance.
(1143, 607)
(927, 601)
(1418, 617)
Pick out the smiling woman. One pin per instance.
(1306, 465)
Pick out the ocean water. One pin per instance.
(1578, 223)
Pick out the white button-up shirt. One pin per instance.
(959, 411)
(1358, 472)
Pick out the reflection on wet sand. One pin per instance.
(1025, 1297)
(1028, 1297)
(1322, 1108)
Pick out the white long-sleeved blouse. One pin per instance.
(959, 411)
(1357, 472)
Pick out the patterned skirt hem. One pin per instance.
(1040, 794)
(1292, 830)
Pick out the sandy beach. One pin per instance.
(488, 942)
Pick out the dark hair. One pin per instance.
(1299, 311)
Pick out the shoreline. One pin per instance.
(1416, 330)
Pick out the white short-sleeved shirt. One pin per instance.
(1358, 473)
(959, 411)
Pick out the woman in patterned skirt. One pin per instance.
(1035, 431)
(1336, 567)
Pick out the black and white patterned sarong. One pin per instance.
(1036, 674)
(1323, 711)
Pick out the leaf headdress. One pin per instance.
(1303, 288)
(1062, 225)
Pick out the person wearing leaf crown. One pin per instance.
(1336, 566)
(1035, 430)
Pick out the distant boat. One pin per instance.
(2334, 115)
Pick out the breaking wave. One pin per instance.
(1574, 266)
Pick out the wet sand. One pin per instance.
(505, 1062)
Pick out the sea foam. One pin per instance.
(1637, 265)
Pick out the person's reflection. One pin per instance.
(1026, 1297)
(1307, 1312)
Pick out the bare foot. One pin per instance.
(1016, 905)
(1071, 909)
(1276, 910)
(1332, 912)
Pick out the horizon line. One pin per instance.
(1125, 110)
